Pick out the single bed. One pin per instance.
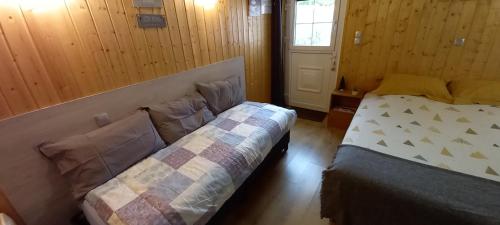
(187, 182)
(411, 160)
(32, 182)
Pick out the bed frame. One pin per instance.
(33, 184)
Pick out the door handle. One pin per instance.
(334, 65)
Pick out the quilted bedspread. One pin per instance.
(461, 138)
(187, 182)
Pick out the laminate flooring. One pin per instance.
(287, 191)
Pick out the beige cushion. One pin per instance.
(222, 95)
(470, 91)
(91, 159)
(175, 119)
(406, 84)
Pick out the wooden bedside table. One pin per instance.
(343, 106)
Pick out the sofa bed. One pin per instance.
(170, 160)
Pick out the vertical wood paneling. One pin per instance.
(385, 42)
(123, 64)
(28, 61)
(149, 40)
(95, 58)
(45, 33)
(463, 30)
(267, 39)
(217, 33)
(179, 34)
(12, 84)
(209, 14)
(170, 38)
(477, 29)
(125, 42)
(369, 34)
(223, 28)
(202, 31)
(4, 108)
(193, 32)
(235, 28)
(81, 47)
(488, 41)
(416, 36)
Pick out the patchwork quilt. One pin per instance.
(461, 138)
(187, 182)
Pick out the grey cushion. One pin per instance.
(177, 118)
(91, 159)
(222, 95)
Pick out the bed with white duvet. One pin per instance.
(411, 160)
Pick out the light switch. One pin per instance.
(358, 37)
(460, 41)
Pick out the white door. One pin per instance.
(311, 52)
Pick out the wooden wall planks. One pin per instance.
(416, 36)
(76, 48)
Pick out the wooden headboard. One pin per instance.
(33, 184)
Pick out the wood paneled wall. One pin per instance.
(59, 50)
(416, 37)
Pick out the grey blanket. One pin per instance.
(364, 187)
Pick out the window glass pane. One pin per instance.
(305, 12)
(322, 33)
(323, 11)
(303, 34)
(313, 22)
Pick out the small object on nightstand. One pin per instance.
(343, 107)
(342, 84)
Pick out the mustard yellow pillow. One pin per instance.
(468, 91)
(405, 84)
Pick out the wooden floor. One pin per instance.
(287, 192)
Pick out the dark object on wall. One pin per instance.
(277, 74)
(342, 84)
(148, 3)
(151, 21)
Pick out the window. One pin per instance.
(313, 22)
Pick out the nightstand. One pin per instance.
(343, 106)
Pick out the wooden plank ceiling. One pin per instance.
(66, 49)
(416, 37)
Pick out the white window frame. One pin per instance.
(301, 48)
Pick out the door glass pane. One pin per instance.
(313, 22)
(322, 33)
(303, 34)
(323, 11)
(305, 12)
